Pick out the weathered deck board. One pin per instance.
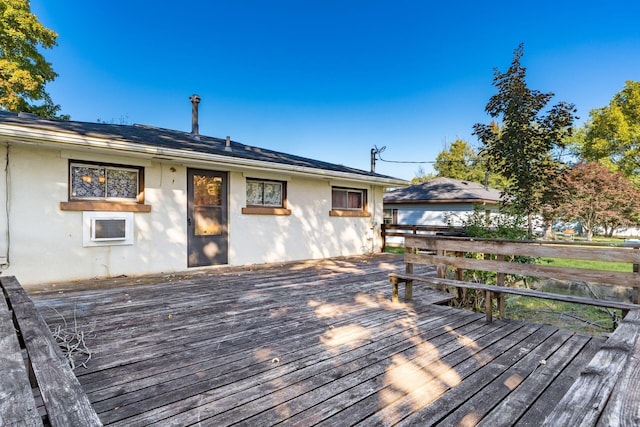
(17, 405)
(200, 349)
(558, 388)
(595, 397)
(364, 398)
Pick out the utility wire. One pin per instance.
(377, 151)
(402, 161)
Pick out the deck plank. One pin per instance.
(17, 405)
(184, 349)
(585, 401)
(425, 355)
(539, 409)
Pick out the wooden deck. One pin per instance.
(306, 344)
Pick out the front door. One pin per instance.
(207, 217)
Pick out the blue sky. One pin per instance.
(330, 79)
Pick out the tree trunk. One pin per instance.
(548, 231)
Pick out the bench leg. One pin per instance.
(394, 290)
(488, 305)
(500, 305)
(408, 290)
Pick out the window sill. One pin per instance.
(348, 213)
(90, 205)
(265, 211)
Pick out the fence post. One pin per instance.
(500, 282)
(383, 233)
(408, 287)
(636, 269)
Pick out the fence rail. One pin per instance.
(402, 230)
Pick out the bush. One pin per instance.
(505, 225)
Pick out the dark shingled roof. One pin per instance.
(173, 139)
(443, 190)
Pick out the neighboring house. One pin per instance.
(83, 200)
(440, 201)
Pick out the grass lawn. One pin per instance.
(394, 249)
(588, 264)
(581, 318)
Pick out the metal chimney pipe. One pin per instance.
(195, 100)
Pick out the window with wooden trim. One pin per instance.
(104, 182)
(266, 197)
(103, 186)
(348, 202)
(390, 216)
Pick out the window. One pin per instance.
(101, 186)
(266, 197)
(390, 216)
(265, 193)
(103, 182)
(348, 202)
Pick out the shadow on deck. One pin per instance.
(306, 344)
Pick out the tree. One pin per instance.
(422, 176)
(599, 198)
(24, 72)
(461, 161)
(612, 136)
(521, 147)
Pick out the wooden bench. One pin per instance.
(45, 368)
(448, 252)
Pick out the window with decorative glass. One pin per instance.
(262, 193)
(94, 181)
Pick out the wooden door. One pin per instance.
(207, 217)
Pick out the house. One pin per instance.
(440, 201)
(82, 200)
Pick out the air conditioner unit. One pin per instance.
(107, 228)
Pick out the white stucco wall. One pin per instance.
(309, 232)
(435, 214)
(46, 242)
(432, 214)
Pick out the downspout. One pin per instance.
(373, 220)
(4, 260)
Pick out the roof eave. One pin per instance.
(27, 135)
(441, 201)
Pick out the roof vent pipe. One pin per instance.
(227, 146)
(195, 100)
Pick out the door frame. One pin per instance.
(197, 245)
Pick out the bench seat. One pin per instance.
(494, 290)
(64, 399)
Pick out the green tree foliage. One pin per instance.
(24, 72)
(599, 198)
(422, 176)
(521, 147)
(612, 136)
(461, 161)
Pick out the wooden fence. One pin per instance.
(401, 230)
